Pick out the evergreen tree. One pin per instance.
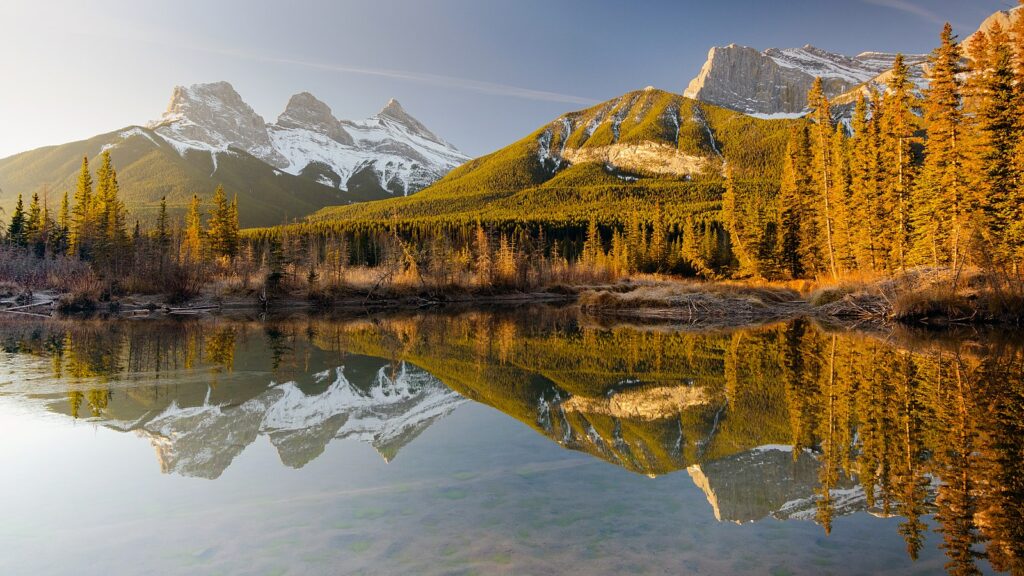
(16, 228)
(192, 244)
(998, 124)
(841, 200)
(233, 228)
(109, 215)
(63, 228)
(940, 208)
(222, 232)
(898, 126)
(592, 245)
(81, 214)
(798, 250)
(34, 219)
(36, 230)
(863, 186)
(163, 232)
(484, 259)
(821, 114)
(657, 253)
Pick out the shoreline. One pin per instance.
(692, 304)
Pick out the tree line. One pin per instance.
(910, 180)
(91, 226)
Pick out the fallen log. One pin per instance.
(11, 311)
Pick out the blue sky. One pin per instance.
(481, 73)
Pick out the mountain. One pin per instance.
(150, 167)
(304, 161)
(389, 153)
(388, 413)
(592, 161)
(771, 481)
(775, 82)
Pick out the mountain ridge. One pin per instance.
(209, 136)
(773, 83)
(646, 143)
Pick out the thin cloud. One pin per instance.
(469, 84)
(479, 86)
(909, 8)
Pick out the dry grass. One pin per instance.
(717, 304)
(924, 295)
(83, 296)
(10, 289)
(21, 268)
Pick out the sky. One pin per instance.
(480, 73)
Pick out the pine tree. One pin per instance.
(109, 215)
(821, 114)
(636, 240)
(192, 244)
(841, 199)
(657, 252)
(222, 236)
(34, 219)
(35, 227)
(163, 232)
(797, 245)
(592, 245)
(63, 228)
(862, 192)
(998, 125)
(81, 215)
(16, 228)
(505, 261)
(898, 131)
(484, 260)
(940, 208)
(233, 228)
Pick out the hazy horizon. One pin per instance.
(479, 75)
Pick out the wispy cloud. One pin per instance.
(454, 82)
(909, 8)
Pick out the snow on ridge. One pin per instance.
(778, 115)
(402, 153)
(202, 440)
(126, 134)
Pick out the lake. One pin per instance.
(527, 441)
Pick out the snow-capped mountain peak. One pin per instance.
(394, 111)
(775, 82)
(305, 111)
(213, 117)
(391, 152)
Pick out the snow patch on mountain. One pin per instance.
(402, 154)
(202, 441)
(774, 83)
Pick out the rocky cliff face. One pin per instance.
(391, 150)
(775, 82)
(306, 112)
(1005, 19)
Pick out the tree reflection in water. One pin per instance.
(791, 421)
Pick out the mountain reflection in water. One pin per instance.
(792, 421)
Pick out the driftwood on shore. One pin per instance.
(22, 309)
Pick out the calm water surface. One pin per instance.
(527, 442)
